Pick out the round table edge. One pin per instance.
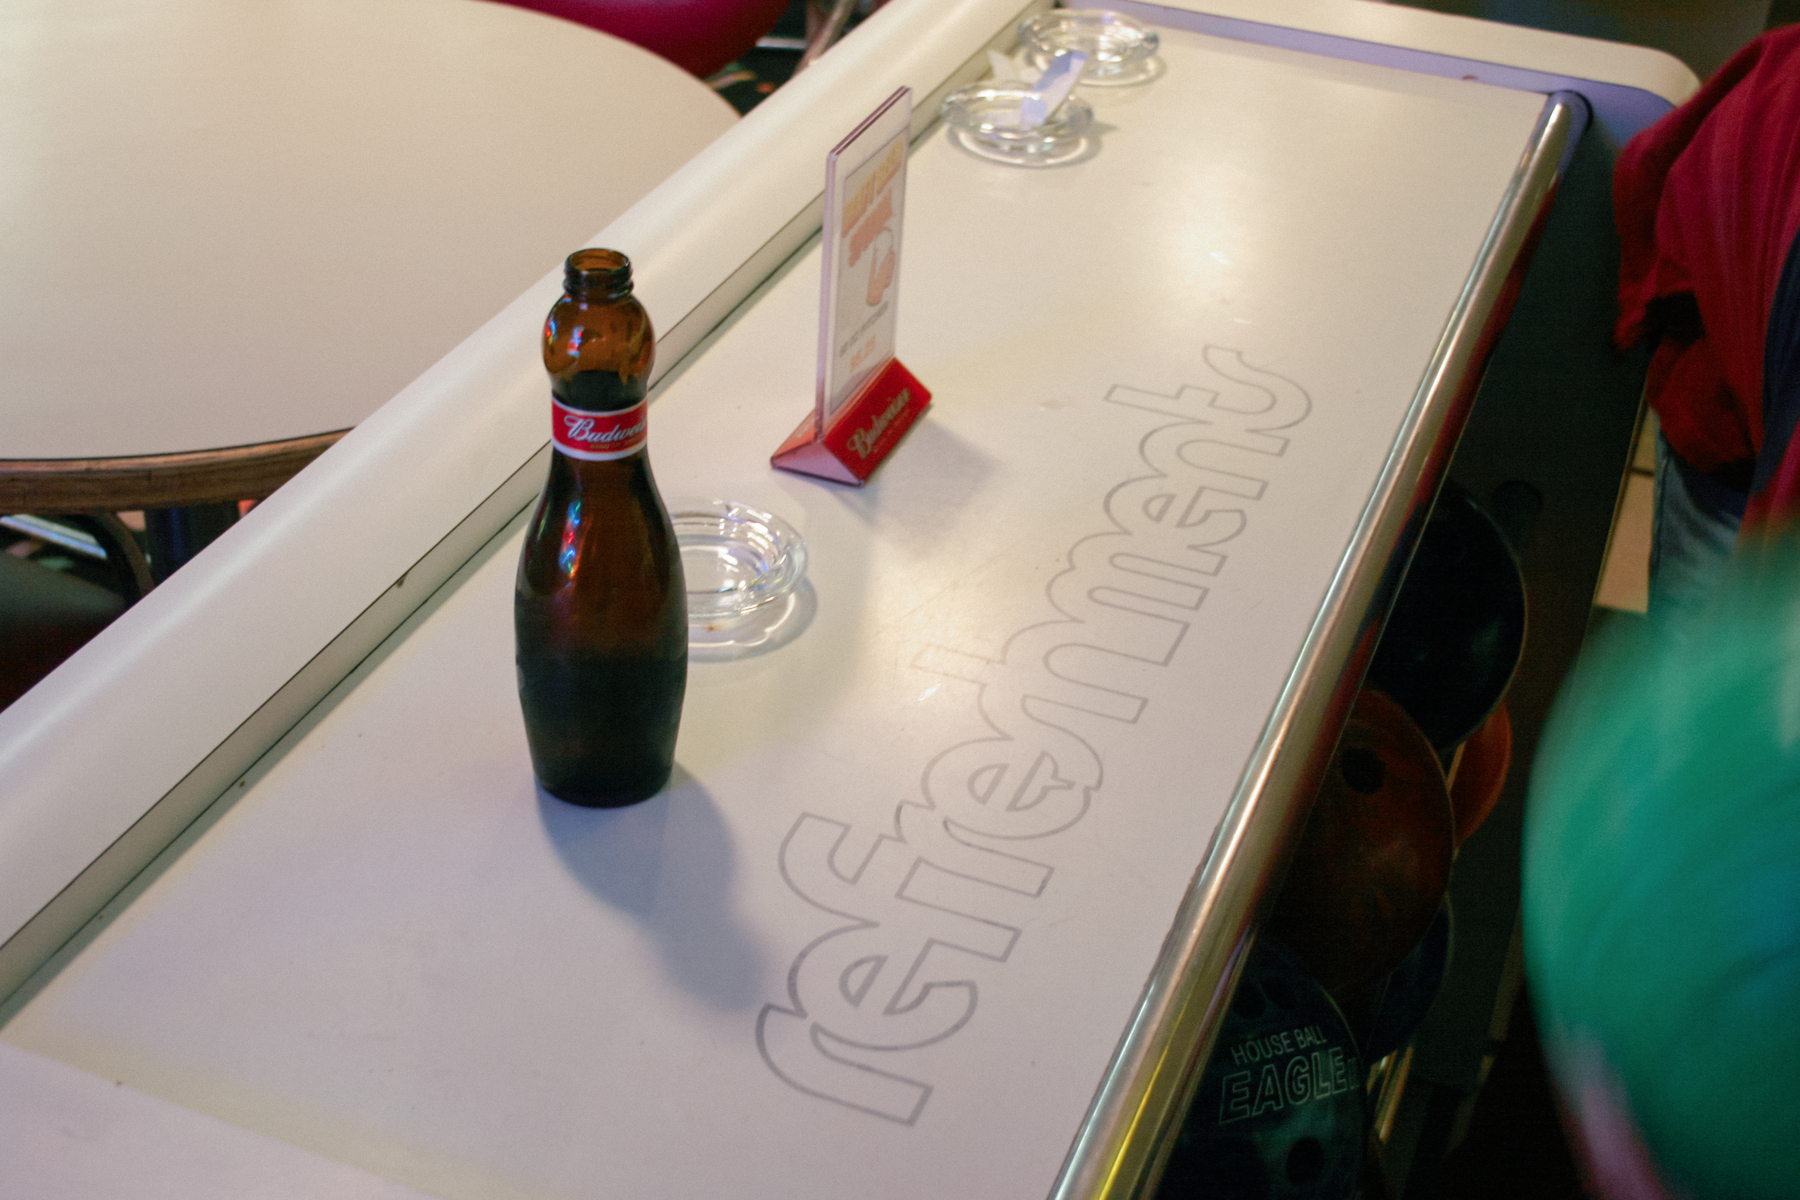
(50, 485)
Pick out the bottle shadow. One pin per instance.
(668, 864)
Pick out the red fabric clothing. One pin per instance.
(1708, 202)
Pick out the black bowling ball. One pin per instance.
(1458, 624)
(1407, 994)
(1280, 1109)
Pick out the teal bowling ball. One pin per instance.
(1662, 895)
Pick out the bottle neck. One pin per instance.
(595, 293)
(597, 276)
(598, 391)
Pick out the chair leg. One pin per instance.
(823, 29)
(123, 554)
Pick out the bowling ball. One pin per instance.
(1662, 892)
(1374, 862)
(1457, 627)
(699, 36)
(1481, 772)
(1280, 1108)
(1407, 993)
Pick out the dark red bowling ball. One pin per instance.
(700, 36)
(1374, 862)
(1481, 772)
(1280, 1108)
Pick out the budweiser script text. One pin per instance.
(919, 895)
(600, 436)
(863, 441)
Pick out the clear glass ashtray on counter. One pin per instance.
(736, 558)
(1120, 51)
(984, 119)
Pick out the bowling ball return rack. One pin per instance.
(1546, 452)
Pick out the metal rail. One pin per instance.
(1130, 1125)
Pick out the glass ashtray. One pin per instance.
(736, 558)
(984, 119)
(1119, 50)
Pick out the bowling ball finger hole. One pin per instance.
(1281, 995)
(1248, 1004)
(1362, 769)
(1305, 1161)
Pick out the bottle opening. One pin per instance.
(593, 270)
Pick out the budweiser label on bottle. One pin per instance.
(599, 437)
(600, 606)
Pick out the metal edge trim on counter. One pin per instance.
(1618, 109)
(38, 941)
(207, 776)
(1131, 1124)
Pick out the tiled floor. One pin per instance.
(1625, 579)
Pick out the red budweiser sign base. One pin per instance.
(863, 432)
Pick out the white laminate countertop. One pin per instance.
(881, 935)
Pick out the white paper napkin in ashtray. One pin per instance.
(1049, 87)
(1052, 88)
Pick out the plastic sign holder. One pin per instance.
(865, 399)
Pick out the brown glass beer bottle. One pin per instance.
(600, 608)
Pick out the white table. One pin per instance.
(234, 228)
(1268, 292)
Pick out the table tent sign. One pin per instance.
(865, 400)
